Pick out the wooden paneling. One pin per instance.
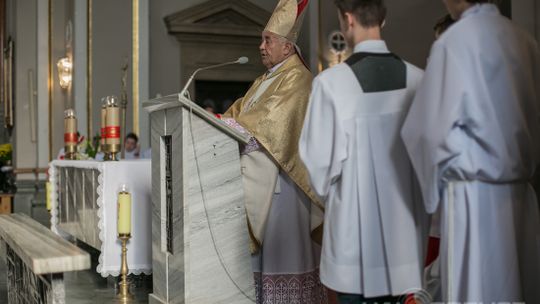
(2, 46)
(6, 203)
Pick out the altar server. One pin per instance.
(473, 133)
(375, 228)
(283, 212)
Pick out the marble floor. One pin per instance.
(88, 286)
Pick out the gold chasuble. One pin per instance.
(275, 118)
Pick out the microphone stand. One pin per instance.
(241, 60)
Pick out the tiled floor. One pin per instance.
(88, 286)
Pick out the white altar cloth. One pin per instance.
(84, 205)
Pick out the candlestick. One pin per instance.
(124, 102)
(124, 295)
(70, 134)
(124, 233)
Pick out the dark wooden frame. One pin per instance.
(7, 78)
(2, 47)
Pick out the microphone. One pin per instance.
(241, 60)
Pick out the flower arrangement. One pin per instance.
(7, 179)
(87, 149)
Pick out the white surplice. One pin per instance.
(375, 226)
(473, 134)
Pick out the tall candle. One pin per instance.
(124, 212)
(48, 195)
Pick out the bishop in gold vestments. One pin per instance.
(284, 215)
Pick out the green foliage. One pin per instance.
(88, 149)
(5, 153)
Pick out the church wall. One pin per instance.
(328, 23)
(24, 29)
(408, 30)
(112, 43)
(537, 20)
(407, 36)
(61, 98)
(525, 14)
(111, 40)
(165, 49)
(80, 70)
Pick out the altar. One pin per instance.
(84, 206)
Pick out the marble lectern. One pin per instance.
(200, 238)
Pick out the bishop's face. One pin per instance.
(456, 7)
(273, 49)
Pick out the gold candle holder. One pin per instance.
(124, 295)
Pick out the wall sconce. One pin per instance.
(339, 51)
(65, 68)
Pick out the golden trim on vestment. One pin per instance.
(276, 119)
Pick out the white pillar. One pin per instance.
(144, 72)
(80, 55)
(42, 76)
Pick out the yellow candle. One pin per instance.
(48, 195)
(124, 212)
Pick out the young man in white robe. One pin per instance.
(375, 228)
(473, 134)
(432, 276)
